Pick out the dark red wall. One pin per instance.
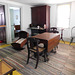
(2, 15)
(2, 22)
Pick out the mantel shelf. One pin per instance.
(2, 25)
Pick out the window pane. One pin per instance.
(63, 15)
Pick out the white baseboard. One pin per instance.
(68, 39)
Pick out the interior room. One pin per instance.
(37, 37)
(15, 21)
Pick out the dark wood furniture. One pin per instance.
(17, 30)
(3, 33)
(17, 27)
(41, 16)
(50, 40)
(33, 47)
(35, 31)
(5, 68)
(72, 34)
(62, 35)
(19, 43)
(53, 30)
(2, 24)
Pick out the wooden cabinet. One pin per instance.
(41, 16)
(37, 31)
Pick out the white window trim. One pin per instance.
(69, 15)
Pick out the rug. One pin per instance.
(61, 63)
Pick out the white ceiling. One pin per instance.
(42, 2)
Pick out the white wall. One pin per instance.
(25, 17)
(53, 10)
(72, 19)
(53, 20)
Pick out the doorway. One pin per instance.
(15, 21)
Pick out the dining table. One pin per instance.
(50, 40)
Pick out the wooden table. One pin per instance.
(5, 68)
(50, 40)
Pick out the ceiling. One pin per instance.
(42, 2)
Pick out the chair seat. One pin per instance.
(41, 45)
(40, 49)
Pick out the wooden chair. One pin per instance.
(72, 34)
(33, 47)
(19, 43)
(54, 30)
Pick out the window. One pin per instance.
(63, 15)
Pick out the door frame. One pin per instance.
(8, 24)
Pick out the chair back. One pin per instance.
(22, 34)
(31, 43)
(73, 32)
(54, 30)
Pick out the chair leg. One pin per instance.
(57, 46)
(71, 41)
(47, 59)
(44, 56)
(11, 73)
(37, 60)
(55, 50)
(63, 40)
(28, 57)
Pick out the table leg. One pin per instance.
(54, 49)
(71, 41)
(11, 73)
(62, 35)
(47, 59)
(46, 54)
(62, 39)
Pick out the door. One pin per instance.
(2, 24)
